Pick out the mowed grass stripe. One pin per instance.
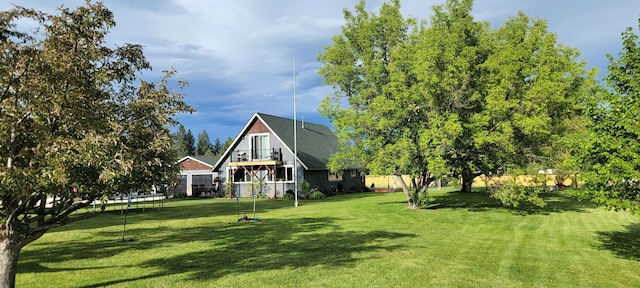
(354, 240)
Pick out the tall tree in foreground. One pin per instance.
(448, 65)
(452, 97)
(610, 155)
(76, 124)
(533, 101)
(374, 130)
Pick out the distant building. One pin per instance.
(196, 176)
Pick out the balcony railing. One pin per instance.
(272, 154)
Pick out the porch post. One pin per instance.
(273, 176)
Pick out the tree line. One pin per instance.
(186, 145)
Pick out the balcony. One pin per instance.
(256, 157)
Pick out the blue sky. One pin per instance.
(238, 55)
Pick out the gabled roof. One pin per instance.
(206, 160)
(315, 143)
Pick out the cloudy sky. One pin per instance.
(238, 55)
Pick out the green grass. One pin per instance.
(355, 240)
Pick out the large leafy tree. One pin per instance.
(76, 124)
(452, 97)
(448, 65)
(534, 91)
(610, 154)
(373, 130)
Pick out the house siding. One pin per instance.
(317, 177)
(196, 173)
(191, 164)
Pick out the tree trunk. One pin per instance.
(467, 181)
(405, 189)
(9, 252)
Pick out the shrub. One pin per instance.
(230, 191)
(289, 195)
(315, 194)
(305, 189)
(511, 194)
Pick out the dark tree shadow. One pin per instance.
(624, 244)
(480, 200)
(235, 248)
(175, 209)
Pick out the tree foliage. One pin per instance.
(76, 123)
(203, 145)
(216, 148)
(372, 131)
(451, 97)
(227, 143)
(183, 142)
(609, 154)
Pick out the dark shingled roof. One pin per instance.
(210, 160)
(316, 143)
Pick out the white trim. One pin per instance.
(192, 158)
(284, 144)
(237, 139)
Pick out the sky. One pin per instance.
(238, 56)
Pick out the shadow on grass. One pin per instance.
(270, 244)
(480, 200)
(174, 209)
(624, 244)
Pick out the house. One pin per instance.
(196, 176)
(261, 158)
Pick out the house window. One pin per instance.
(284, 174)
(354, 173)
(335, 176)
(241, 175)
(260, 147)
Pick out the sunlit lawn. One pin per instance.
(355, 240)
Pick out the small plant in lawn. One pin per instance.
(259, 187)
(305, 189)
(511, 194)
(230, 190)
(423, 199)
(315, 194)
(289, 195)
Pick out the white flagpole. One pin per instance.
(295, 138)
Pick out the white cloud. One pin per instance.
(238, 55)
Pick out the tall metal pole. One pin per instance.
(295, 138)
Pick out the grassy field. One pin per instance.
(355, 240)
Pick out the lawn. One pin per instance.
(354, 240)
